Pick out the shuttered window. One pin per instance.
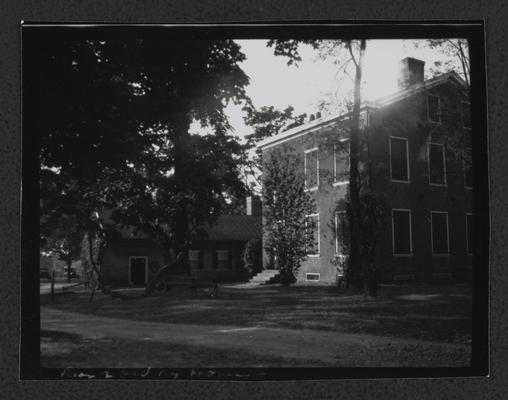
(440, 239)
(437, 164)
(311, 169)
(312, 223)
(433, 108)
(341, 162)
(401, 226)
(399, 159)
(341, 233)
(223, 259)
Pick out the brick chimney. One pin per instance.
(253, 205)
(411, 71)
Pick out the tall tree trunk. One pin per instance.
(69, 265)
(181, 126)
(354, 175)
(92, 259)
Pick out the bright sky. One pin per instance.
(273, 82)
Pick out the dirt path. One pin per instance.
(304, 344)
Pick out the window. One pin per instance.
(468, 172)
(311, 169)
(439, 229)
(469, 233)
(341, 233)
(312, 226)
(196, 259)
(399, 159)
(401, 232)
(466, 114)
(312, 276)
(433, 108)
(214, 260)
(223, 259)
(437, 164)
(341, 163)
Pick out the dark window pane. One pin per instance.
(201, 263)
(194, 259)
(399, 157)
(466, 114)
(341, 233)
(341, 162)
(401, 232)
(434, 110)
(469, 227)
(436, 164)
(440, 233)
(214, 260)
(311, 169)
(312, 226)
(223, 259)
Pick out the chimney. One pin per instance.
(411, 71)
(253, 205)
(318, 115)
(311, 118)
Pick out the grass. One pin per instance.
(74, 351)
(427, 312)
(405, 326)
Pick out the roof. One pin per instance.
(378, 103)
(227, 227)
(235, 228)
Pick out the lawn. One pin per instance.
(415, 325)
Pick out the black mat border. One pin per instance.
(34, 32)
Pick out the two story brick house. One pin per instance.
(416, 143)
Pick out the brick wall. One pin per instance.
(406, 118)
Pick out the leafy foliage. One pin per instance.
(62, 237)
(286, 205)
(456, 56)
(114, 128)
(268, 121)
(252, 256)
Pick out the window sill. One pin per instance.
(340, 183)
(398, 181)
(404, 255)
(438, 184)
(313, 255)
(312, 189)
(441, 255)
(434, 122)
(468, 187)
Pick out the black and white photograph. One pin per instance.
(258, 199)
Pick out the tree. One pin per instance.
(62, 237)
(266, 121)
(115, 119)
(356, 50)
(289, 233)
(252, 256)
(456, 56)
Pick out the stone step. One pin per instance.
(265, 277)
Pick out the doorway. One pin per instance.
(138, 270)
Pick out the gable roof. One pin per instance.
(226, 228)
(235, 228)
(378, 103)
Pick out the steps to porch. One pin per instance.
(266, 277)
